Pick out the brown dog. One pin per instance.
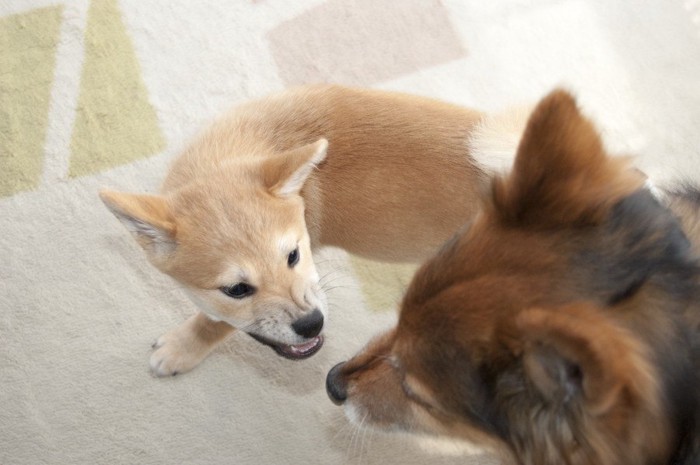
(385, 175)
(560, 327)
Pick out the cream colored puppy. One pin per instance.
(384, 175)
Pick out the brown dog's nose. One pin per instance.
(335, 386)
(310, 325)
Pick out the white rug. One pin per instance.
(105, 93)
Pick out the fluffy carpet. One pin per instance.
(106, 92)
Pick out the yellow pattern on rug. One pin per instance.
(115, 124)
(28, 50)
(382, 284)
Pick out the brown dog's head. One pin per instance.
(552, 326)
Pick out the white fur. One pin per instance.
(495, 140)
(211, 312)
(287, 243)
(234, 274)
(448, 446)
(295, 182)
(655, 191)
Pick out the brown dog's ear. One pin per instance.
(285, 174)
(577, 354)
(147, 217)
(561, 173)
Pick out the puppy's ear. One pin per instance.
(148, 217)
(285, 174)
(577, 354)
(561, 173)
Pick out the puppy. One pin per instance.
(384, 175)
(561, 326)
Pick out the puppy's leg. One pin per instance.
(182, 348)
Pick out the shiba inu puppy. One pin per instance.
(561, 326)
(383, 175)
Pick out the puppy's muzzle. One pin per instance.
(336, 386)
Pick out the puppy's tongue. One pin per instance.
(304, 350)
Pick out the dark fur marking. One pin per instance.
(641, 242)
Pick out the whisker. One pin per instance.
(348, 285)
(340, 286)
(363, 429)
(334, 260)
(350, 450)
(344, 430)
(343, 270)
(333, 278)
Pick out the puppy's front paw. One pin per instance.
(180, 350)
(173, 355)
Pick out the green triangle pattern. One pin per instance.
(115, 124)
(28, 58)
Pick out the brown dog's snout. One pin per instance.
(336, 386)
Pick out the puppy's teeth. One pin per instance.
(306, 346)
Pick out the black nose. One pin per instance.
(335, 386)
(310, 325)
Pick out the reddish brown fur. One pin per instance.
(555, 325)
(570, 180)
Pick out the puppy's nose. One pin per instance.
(335, 385)
(310, 325)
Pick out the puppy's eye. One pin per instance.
(238, 291)
(293, 258)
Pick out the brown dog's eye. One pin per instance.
(415, 397)
(293, 258)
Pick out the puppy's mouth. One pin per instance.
(293, 351)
